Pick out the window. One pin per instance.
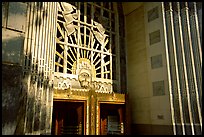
(154, 37)
(156, 61)
(86, 38)
(158, 88)
(153, 14)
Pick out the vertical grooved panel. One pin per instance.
(40, 39)
(168, 68)
(186, 61)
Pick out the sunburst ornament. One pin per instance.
(84, 65)
(86, 72)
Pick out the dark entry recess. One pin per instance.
(68, 118)
(112, 119)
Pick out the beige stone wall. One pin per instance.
(146, 108)
(137, 73)
(159, 105)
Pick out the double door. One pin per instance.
(69, 118)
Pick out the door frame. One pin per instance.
(84, 110)
(98, 122)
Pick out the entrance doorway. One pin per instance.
(112, 119)
(68, 118)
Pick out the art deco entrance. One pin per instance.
(87, 67)
(68, 118)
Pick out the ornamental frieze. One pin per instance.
(65, 82)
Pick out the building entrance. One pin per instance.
(111, 119)
(68, 118)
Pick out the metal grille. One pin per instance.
(86, 30)
(70, 130)
(113, 127)
(182, 32)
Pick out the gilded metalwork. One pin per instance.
(93, 99)
(83, 49)
(83, 65)
(85, 72)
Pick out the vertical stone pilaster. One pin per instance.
(40, 43)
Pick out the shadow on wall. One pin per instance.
(14, 100)
(14, 88)
(12, 97)
(11, 46)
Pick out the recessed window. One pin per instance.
(154, 37)
(158, 88)
(156, 61)
(153, 14)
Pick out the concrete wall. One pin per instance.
(160, 104)
(13, 95)
(137, 66)
(149, 108)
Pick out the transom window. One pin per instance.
(86, 38)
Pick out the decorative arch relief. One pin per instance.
(83, 77)
(83, 58)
